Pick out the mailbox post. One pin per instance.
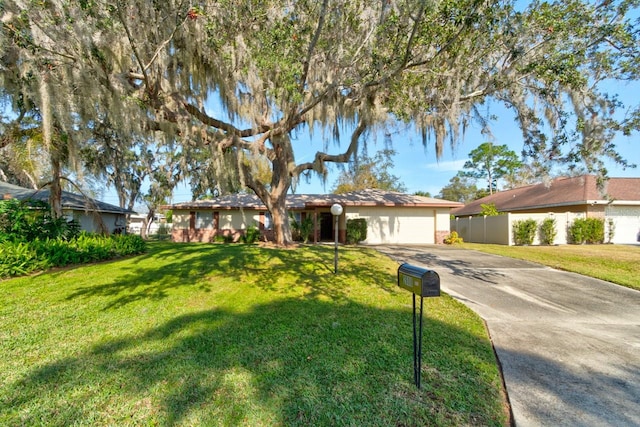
(423, 283)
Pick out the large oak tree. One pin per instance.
(241, 78)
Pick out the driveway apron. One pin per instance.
(569, 345)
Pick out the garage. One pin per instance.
(626, 221)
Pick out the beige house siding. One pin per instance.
(391, 217)
(203, 225)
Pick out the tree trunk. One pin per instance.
(281, 225)
(55, 189)
(283, 165)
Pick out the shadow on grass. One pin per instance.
(168, 266)
(289, 362)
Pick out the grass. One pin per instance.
(229, 335)
(618, 264)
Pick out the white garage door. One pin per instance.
(399, 225)
(626, 221)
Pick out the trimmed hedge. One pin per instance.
(356, 230)
(587, 230)
(524, 231)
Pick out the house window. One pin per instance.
(268, 221)
(204, 219)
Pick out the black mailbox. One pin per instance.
(420, 281)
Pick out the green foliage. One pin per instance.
(489, 209)
(302, 230)
(453, 238)
(611, 229)
(251, 235)
(356, 230)
(370, 172)
(524, 231)
(548, 231)
(19, 257)
(587, 230)
(460, 189)
(30, 220)
(491, 162)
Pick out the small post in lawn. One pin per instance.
(336, 211)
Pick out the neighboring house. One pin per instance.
(92, 215)
(564, 199)
(136, 222)
(392, 218)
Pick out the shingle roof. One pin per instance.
(370, 197)
(70, 200)
(559, 192)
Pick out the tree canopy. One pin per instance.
(369, 172)
(491, 163)
(239, 79)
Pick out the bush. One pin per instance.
(453, 239)
(524, 231)
(17, 259)
(251, 235)
(587, 230)
(595, 230)
(29, 220)
(489, 209)
(302, 230)
(356, 230)
(20, 258)
(548, 231)
(611, 230)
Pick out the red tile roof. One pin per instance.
(559, 192)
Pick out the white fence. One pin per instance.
(499, 229)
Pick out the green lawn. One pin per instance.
(618, 264)
(238, 335)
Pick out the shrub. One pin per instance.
(611, 230)
(548, 231)
(453, 239)
(595, 230)
(587, 230)
(489, 209)
(251, 235)
(524, 231)
(29, 220)
(356, 230)
(303, 229)
(19, 258)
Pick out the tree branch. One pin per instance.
(224, 126)
(312, 46)
(321, 158)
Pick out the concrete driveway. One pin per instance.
(569, 345)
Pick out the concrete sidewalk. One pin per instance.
(569, 345)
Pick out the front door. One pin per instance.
(326, 226)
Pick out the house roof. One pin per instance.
(559, 192)
(370, 197)
(70, 200)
